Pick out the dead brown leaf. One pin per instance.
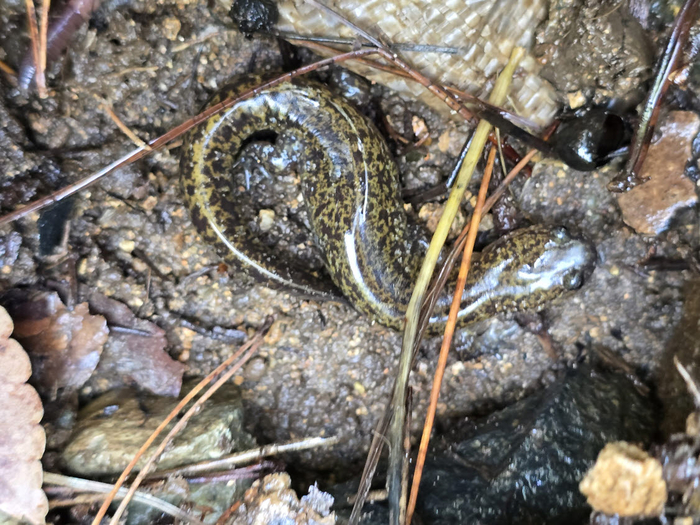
(138, 357)
(64, 346)
(22, 439)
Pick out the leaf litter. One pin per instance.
(22, 441)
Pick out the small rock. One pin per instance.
(255, 369)
(113, 427)
(149, 203)
(431, 213)
(451, 141)
(444, 141)
(420, 128)
(127, 245)
(626, 481)
(171, 27)
(649, 207)
(429, 175)
(276, 331)
(576, 99)
(254, 15)
(271, 500)
(9, 248)
(267, 219)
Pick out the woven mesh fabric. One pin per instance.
(485, 31)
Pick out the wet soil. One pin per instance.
(324, 369)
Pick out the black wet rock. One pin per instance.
(52, 225)
(523, 465)
(684, 347)
(587, 139)
(252, 16)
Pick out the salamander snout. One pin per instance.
(574, 257)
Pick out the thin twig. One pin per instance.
(107, 108)
(321, 48)
(129, 70)
(241, 458)
(500, 152)
(515, 119)
(249, 472)
(33, 31)
(405, 455)
(256, 341)
(346, 22)
(183, 402)
(224, 518)
(80, 499)
(401, 46)
(41, 65)
(689, 381)
(449, 333)
(9, 72)
(197, 40)
(86, 485)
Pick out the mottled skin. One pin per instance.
(350, 186)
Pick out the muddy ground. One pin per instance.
(324, 369)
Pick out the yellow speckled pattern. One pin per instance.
(350, 186)
(485, 30)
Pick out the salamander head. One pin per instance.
(570, 260)
(545, 262)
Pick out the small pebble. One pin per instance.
(625, 481)
(171, 27)
(267, 219)
(255, 369)
(127, 245)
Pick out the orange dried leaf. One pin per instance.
(22, 440)
(64, 346)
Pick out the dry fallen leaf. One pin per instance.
(625, 481)
(22, 440)
(138, 357)
(64, 345)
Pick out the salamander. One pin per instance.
(351, 190)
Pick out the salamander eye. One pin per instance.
(573, 280)
(561, 234)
